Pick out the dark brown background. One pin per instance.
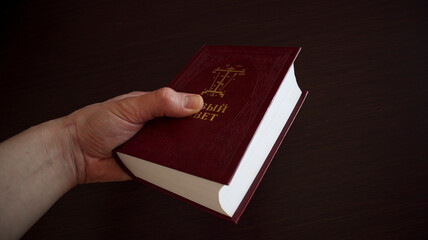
(353, 165)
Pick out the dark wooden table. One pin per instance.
(353, 166)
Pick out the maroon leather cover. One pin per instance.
(240, 210)
(237, 84)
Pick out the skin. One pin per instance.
(42, 163)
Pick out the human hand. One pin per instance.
(40, 164)
(94, 131)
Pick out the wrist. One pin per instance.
(59, 145)
(72, 151)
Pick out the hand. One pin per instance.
(40, 164)
(99, 128)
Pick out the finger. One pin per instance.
(162, 102)
(105, 170)
(123, 96)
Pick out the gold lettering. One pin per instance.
(211, 108)
(222, 108)
(213, 115)
(197, 115)
(215, 107)
(209, 116)
(205, 116)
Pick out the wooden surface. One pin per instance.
(353, 166)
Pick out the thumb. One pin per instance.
(159, 103)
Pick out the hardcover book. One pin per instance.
(216, 158)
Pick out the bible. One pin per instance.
(216, 158)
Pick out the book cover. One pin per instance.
(238, 85)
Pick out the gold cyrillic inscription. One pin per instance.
(210, 111)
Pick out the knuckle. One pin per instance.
(165, 96)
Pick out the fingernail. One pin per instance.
(192, 101)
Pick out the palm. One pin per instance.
(99, 128)
(98, 133)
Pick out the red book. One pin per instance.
(216, 158)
